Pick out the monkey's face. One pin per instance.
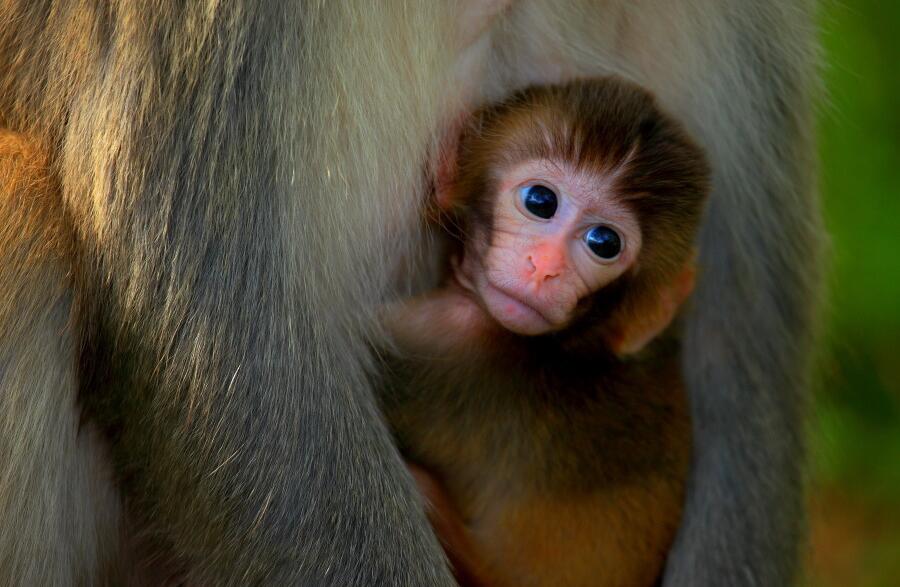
(556, 237)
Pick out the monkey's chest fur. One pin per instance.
(567, 470)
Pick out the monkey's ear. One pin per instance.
(632, 328)
(446, 163)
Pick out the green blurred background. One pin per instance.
(855, 502)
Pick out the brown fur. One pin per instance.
(577, 484)
(566, 463)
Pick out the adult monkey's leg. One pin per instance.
(229, 169)
(748, 91)
(749, 336)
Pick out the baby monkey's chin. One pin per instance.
(514, 314)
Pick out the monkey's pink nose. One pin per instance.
(545, 262)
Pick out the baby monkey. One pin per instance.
(537, 385)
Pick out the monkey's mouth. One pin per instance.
(509, 310)
(514, 313)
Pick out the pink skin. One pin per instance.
(534, 272)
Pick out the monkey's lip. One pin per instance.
(531, 320)
(525, 319)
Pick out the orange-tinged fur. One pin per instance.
(617, 537)
(557, 455)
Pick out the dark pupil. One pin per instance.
(604, 242)
(540, 201)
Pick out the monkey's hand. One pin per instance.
(446, 320)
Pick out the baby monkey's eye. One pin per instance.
(604, 242)
(539, 200)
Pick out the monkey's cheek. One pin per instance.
(513, 314)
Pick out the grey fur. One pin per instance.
(214, 164)
(237, 175)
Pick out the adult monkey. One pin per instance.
(228, 170)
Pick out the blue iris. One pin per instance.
(604, 242)
(539, 200)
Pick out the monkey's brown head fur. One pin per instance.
(611, 139)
